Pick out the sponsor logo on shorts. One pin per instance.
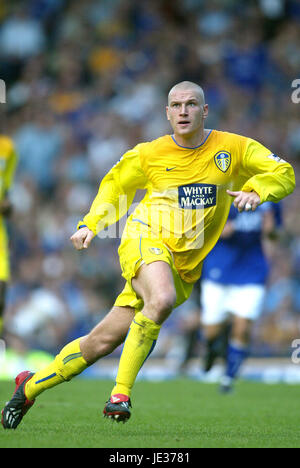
(195, 196)
(155, 250)
(222, 160)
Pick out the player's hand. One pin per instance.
(245, 200)
(82, 238)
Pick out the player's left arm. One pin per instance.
(267, 177)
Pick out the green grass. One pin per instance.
(174, 414)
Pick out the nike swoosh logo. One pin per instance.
(170, 168)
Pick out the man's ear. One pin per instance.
(205, 111)
(167, 112)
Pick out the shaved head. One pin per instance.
(186, 112)
(187, 86)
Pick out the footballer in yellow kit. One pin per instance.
(190, 178)
(8, 160)
(186, 205)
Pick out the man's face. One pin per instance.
(186, 112)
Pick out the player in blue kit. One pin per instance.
(233, 287)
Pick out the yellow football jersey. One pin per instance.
(186, 204)
(8, 161)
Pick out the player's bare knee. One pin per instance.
(161, 305)
(164, 301)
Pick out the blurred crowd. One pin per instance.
(88, 80)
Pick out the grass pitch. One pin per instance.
(175, 414)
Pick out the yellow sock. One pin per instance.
(139, 343)
(68, 363)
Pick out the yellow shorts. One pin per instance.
(4, 254)
(136, 250)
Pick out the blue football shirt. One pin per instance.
(240, 259)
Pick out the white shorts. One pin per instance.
(219, 300)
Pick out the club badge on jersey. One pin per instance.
(222, 160)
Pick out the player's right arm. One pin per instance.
(82, 238)
(114, 197)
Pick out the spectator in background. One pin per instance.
(40, 321)
(21, 36)
(39, 143)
